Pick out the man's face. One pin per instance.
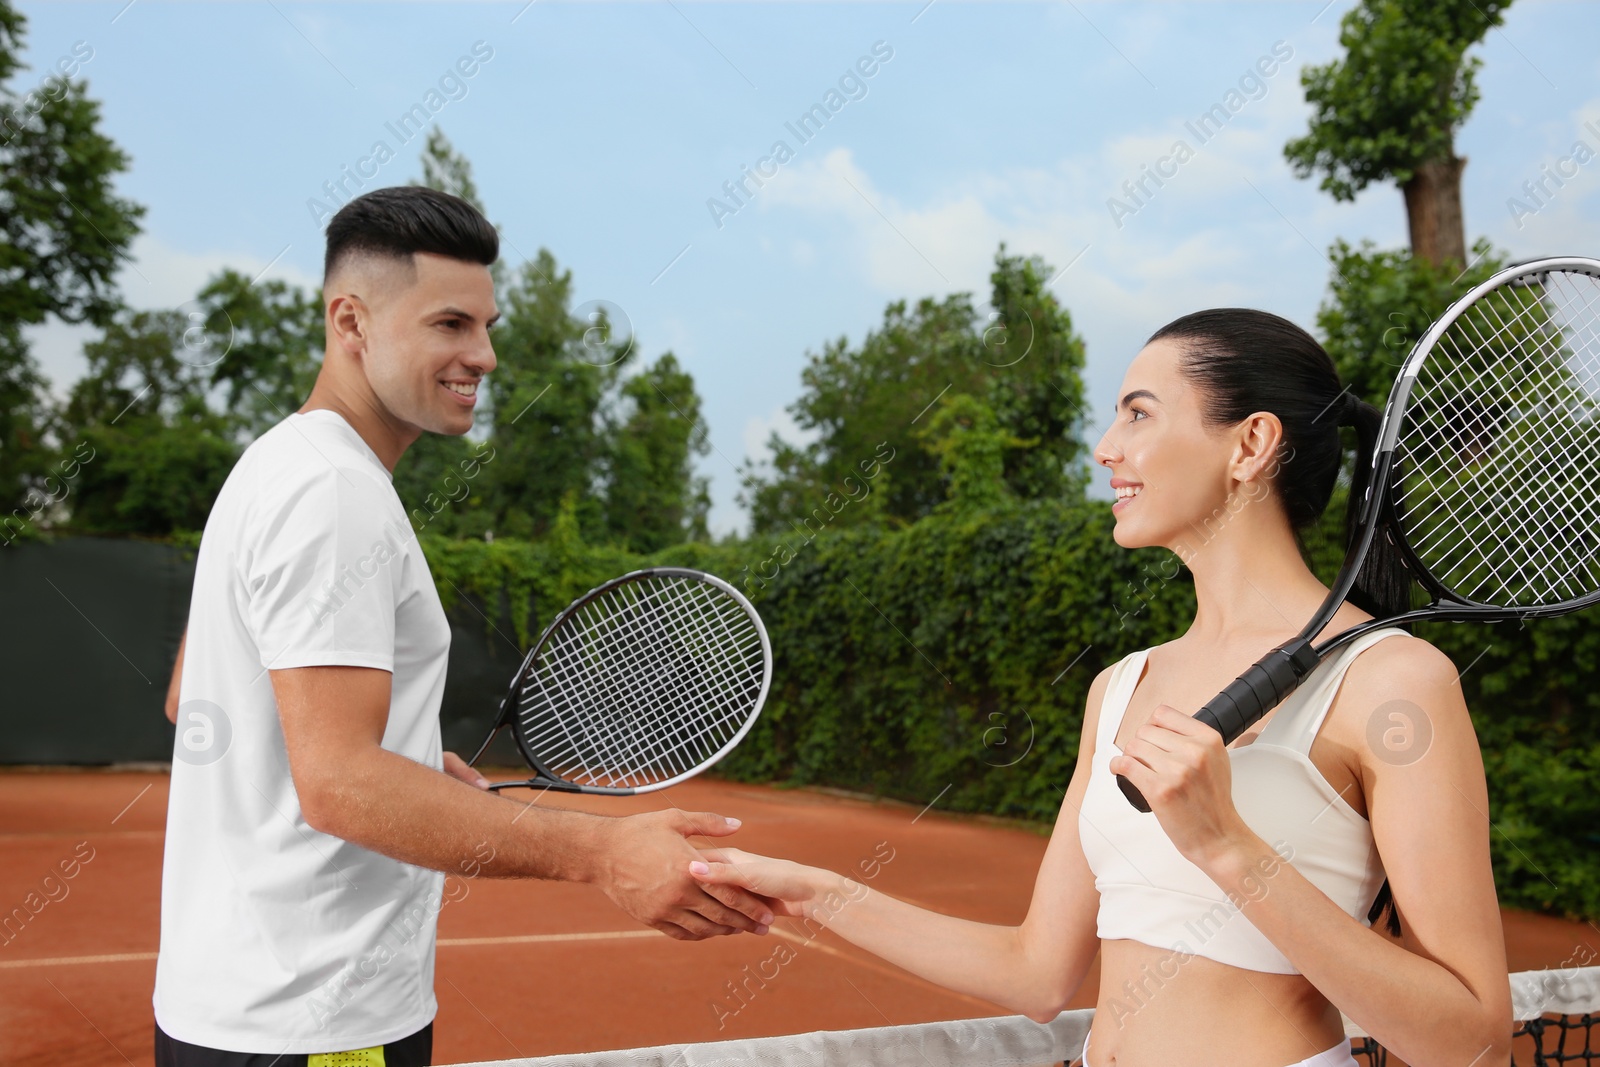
(429, 346)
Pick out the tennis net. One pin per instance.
(1556, 1012)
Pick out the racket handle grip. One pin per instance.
(1246, 699)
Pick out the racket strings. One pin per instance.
(605, 740)
(1521, 519)
(722, 671)
(572, 669)
(643, 684)
(1513, 519)
(1497, 482)
(1560, 455)
(567, 668)
(569, 671)
(1523, 522)
(618, 731)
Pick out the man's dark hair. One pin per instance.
(400, 220)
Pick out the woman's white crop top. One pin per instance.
(1150, 893)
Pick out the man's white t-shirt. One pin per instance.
(276, 938)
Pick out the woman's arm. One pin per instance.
(1032, 969)
(1442, 996)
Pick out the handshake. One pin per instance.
(649, 870)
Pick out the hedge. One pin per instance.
(949, 661)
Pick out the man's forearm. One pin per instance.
(398, 807)
(174, 685)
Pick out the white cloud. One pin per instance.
(759, 428)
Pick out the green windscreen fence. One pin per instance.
(89, 628)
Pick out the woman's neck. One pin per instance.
(1250, 581)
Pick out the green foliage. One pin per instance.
(1379, 305)
(153, 476)
(905, 660)
(63, 233)
(966, 438)
(1546, 811)
(652, 462)
(1395, 99)
(548, 393)
(26, 418)
(570, 421)
(160, 454)
(260, 342)
(1024, 362)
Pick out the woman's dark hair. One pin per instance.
(400, 220)
(1245, 361)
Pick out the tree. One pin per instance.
(549, 392)
(63, 233)
(971, 447)
(1024, 361)
(1380, 303)
(262, 343)
(653, 498)
(157, 453)
(1389, 110)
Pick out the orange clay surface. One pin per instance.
(533, 968)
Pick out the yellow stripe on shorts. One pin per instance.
(359, 1057)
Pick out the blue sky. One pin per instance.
(602, 130)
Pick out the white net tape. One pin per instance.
(1498, 457)
(1009, 1041)
(642, 684)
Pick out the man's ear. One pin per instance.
(349, 324)
(350, 315)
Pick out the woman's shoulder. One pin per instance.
(1405, 659)
(1403, 667)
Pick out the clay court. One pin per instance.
(532, 968)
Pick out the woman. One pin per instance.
(1232, 919)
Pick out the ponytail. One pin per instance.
(1383, 584)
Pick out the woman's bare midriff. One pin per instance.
(1158, 1008)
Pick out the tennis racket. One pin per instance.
(637, 685)
(1486, 475)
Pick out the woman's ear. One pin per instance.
(1260, 440)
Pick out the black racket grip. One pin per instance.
(1246, 699)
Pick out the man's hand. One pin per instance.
(456, 767)
(644, 869)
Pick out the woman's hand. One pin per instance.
(1181, 766)
(787, 886)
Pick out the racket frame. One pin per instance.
(1279, 673)
(510, 704)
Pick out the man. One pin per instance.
(311, 808)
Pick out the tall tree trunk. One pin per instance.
(1433, 210)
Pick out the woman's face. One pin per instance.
(1171, 473)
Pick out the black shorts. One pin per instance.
(413, 1051)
